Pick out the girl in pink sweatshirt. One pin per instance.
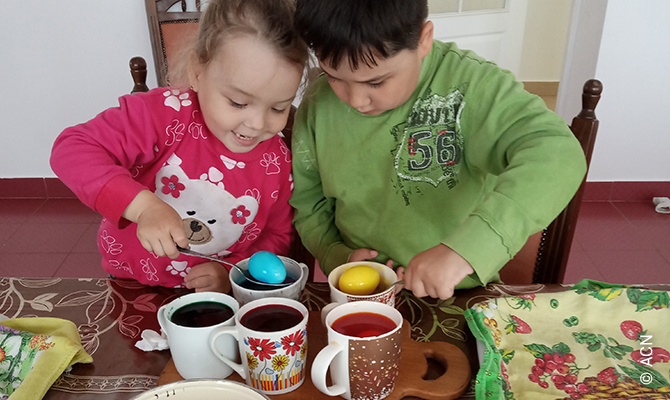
(198, 164)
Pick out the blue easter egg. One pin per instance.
(265, 266)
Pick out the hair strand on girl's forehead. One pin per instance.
(271, 20)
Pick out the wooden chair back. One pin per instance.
(544, 257)
(170, 23)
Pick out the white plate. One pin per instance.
(203, 389)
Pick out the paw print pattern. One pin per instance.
(109, 245)
(195, 129)
(285, 151)
(180, 268)
(121, 265)
(271, 163)
(230, 163)
(175, 99)
(250, 233)
(255, 193)
(135, 170)
(149, 270)
(174, 132)
(215, 176)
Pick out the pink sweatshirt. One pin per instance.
(232, 204)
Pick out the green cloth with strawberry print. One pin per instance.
(593, 341)
(33, 354)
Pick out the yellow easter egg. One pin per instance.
(361, 280)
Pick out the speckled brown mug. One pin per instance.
(361, 368)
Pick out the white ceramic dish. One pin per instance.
(298, 271)
(202, 389)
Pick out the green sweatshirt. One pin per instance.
(470, 160)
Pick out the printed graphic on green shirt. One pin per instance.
(430, 141)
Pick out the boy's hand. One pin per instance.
(159, 226)
(208, 277)
(367, 254)
(435, 272)
(363, 255)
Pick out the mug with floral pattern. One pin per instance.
(272, 339)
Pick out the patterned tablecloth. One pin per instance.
(111, 314)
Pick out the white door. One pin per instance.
(491, 28)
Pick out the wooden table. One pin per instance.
(112, 313)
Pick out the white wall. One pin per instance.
(581, 55)
(633, 142)
(544, 40)
(63, 62)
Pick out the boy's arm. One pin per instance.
(539, 166)
(314, 213)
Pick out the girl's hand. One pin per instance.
(208, 277)
(159, 226)
(435, 272)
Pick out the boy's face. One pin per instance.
(378, 88)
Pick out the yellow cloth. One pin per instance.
(595, 341)
(34, 352)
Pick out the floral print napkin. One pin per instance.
(593, 341)
(33, 354)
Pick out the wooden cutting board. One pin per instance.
(413, 367)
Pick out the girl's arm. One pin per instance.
(96, 159)
(159, 226)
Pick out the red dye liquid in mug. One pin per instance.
(363, 324)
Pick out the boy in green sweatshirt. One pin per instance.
(411, 151)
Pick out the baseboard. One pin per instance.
(34, 188)
(625, 191)
(53, 188)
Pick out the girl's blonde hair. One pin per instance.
(270, 20)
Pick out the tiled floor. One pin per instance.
(618, 242)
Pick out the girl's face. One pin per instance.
(245, 92)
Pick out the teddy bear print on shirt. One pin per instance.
(213, 218)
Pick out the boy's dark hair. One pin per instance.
(359, 29)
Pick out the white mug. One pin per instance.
(273, 347)
(190, 346)
(386, 277)
(361, 368)
(298, 271)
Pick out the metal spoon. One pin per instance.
(244, 272)
(400, 282)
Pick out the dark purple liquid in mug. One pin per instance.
(202, 314)
(271, 318)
